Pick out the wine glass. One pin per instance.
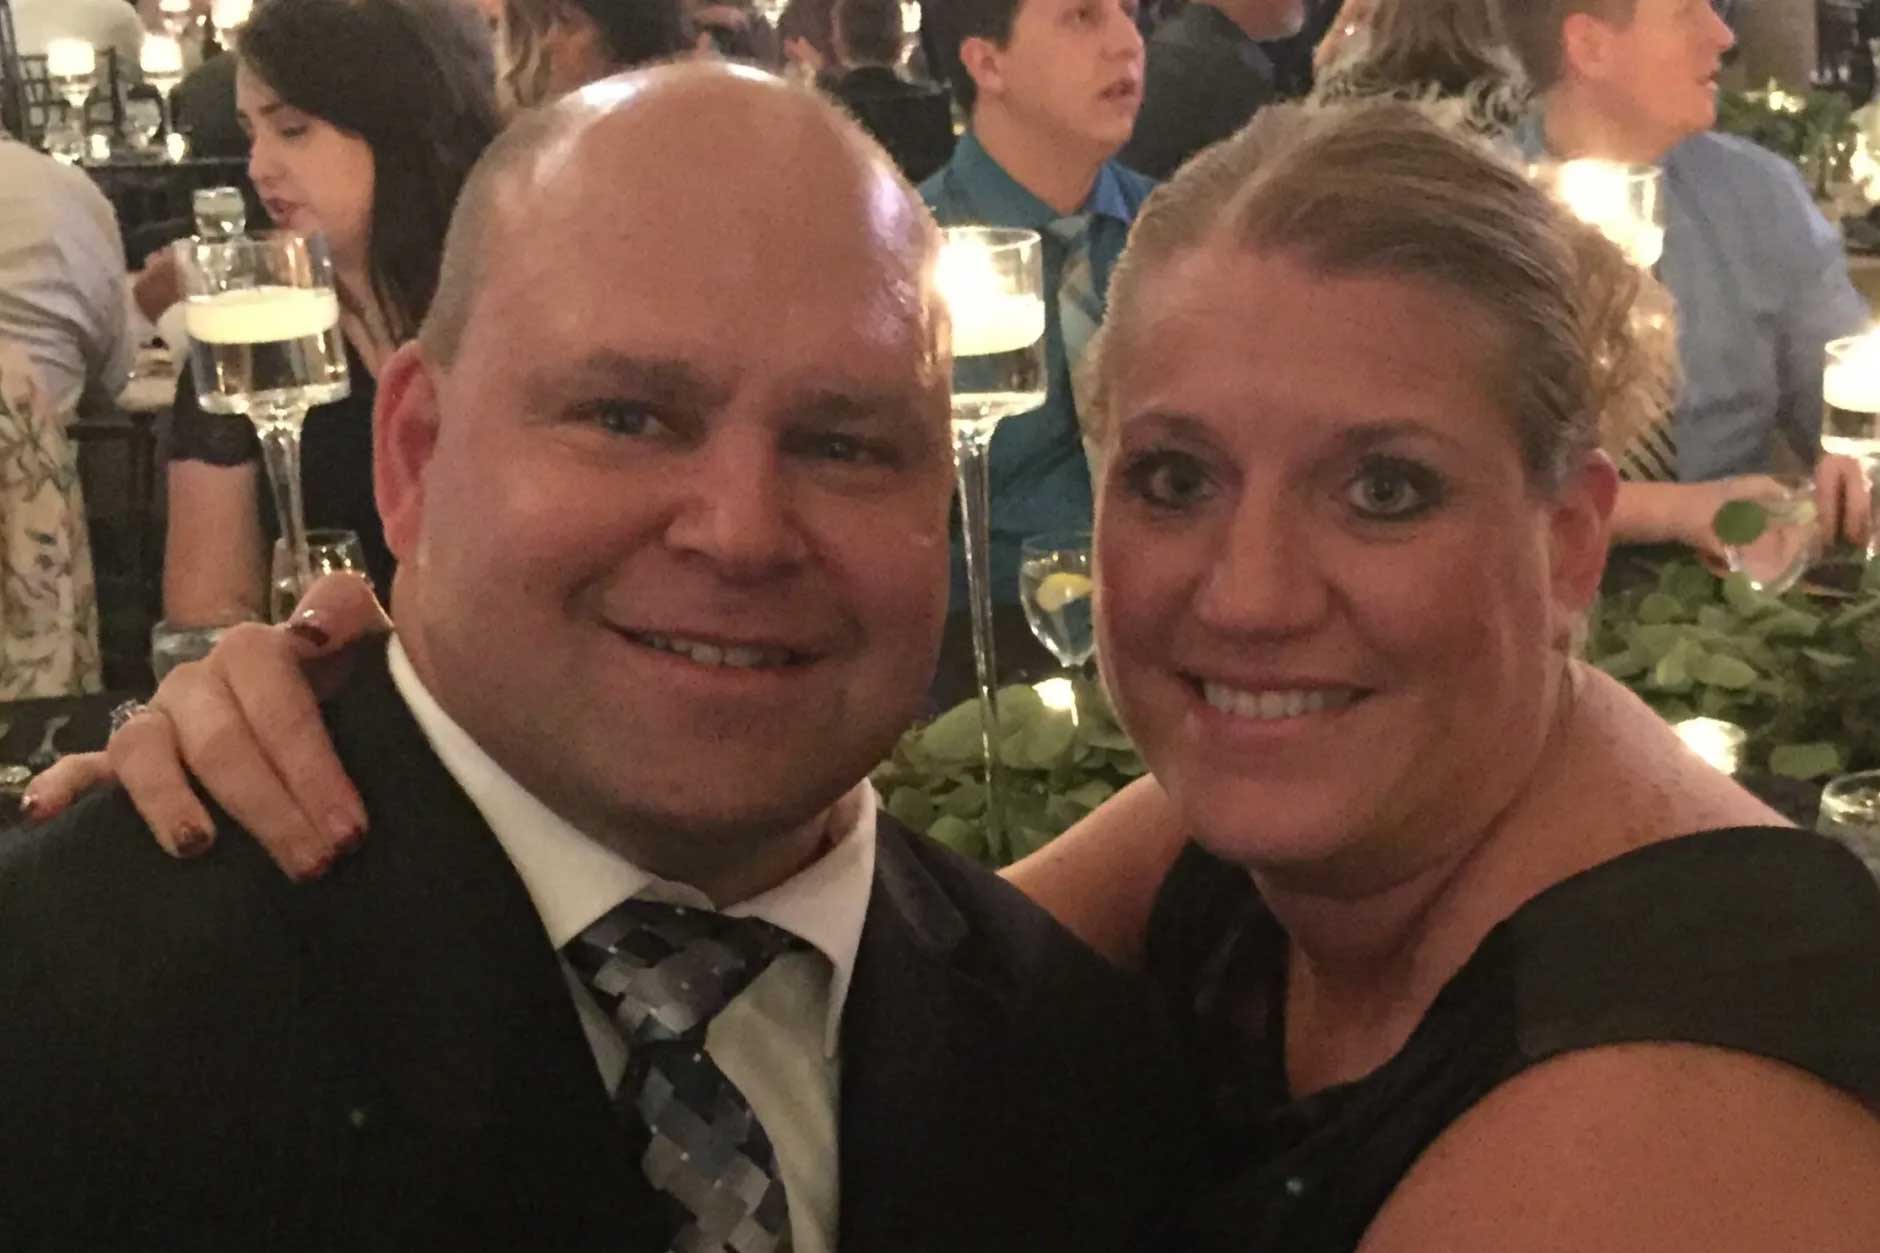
(72, 70)
(220, 213)
(992, 280)
(263, 321)
(329, 549)
(1850, 813)
(1790, 540)
(1055, 587)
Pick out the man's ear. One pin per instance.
(405, 421)
(983, 62)
(1585, 46)
(1581, 531)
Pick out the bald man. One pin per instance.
(630, 961)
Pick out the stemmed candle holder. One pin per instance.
(1850, 424)
(72, 69)
(1625, 202)
(992, 280)
(161, 60)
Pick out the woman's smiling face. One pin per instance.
(1329, 605)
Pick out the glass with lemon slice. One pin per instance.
(1055, 586)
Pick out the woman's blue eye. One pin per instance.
(1167, 479)
(1394, 490)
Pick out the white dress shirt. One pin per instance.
(62, 278)
(777, 1040)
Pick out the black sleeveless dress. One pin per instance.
(1763, 940)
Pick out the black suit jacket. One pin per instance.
(207, 1056)
(913, 121)
(1203, 79)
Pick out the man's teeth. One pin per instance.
(738, 656)
(1276, 704)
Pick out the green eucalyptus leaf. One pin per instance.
(1718, 670)
(1740, 522)
(1091, 793)
(968, 800)
(1827, 660)
(954, 735)
(1688, 581)
(1624, 664)
(1805, 761)
(1673, 673)
(912, 806)
(1659, 608)
(1653, 641)
(1717, 618)
(1740, 596)
(965, 838)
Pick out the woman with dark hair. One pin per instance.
(364, 118)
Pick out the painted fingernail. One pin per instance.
(191, 841)
(306, 624)
(346, 829)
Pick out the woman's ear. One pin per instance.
(1581, 531)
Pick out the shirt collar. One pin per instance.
(573, 879)
(998, 197)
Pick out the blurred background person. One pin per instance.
(806, 39)
(913, 121)
(62, 276)
(546, 48)
(1759, 275)
(1451, 53)
(65, 351)
(365, 117)
(1205, 75)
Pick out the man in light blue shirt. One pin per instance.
(1759, 276)
(1052, 88)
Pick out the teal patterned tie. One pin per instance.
(1079, 310)
(662, 973)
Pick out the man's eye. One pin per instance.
(1167, 479)
(620, 417)
(1393, 490)
(842, 449)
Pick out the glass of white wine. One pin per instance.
(263, 321)
(329, 550)
(1790, 540)
(992, 280)
(220, 213)
(1850, 813)
(1055, 586)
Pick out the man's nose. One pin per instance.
(738, 511)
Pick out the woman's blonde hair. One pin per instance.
(1583, 351)
(1431, 50)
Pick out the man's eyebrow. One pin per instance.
(859, 405)
(667, 380)
(1367, 435)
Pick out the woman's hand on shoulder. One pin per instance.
(245, 721)
(1642, 1148)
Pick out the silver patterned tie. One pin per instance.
(663, 972)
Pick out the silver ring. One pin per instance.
(123, 713)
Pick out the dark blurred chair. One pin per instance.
(913, 121)
(12, 94)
